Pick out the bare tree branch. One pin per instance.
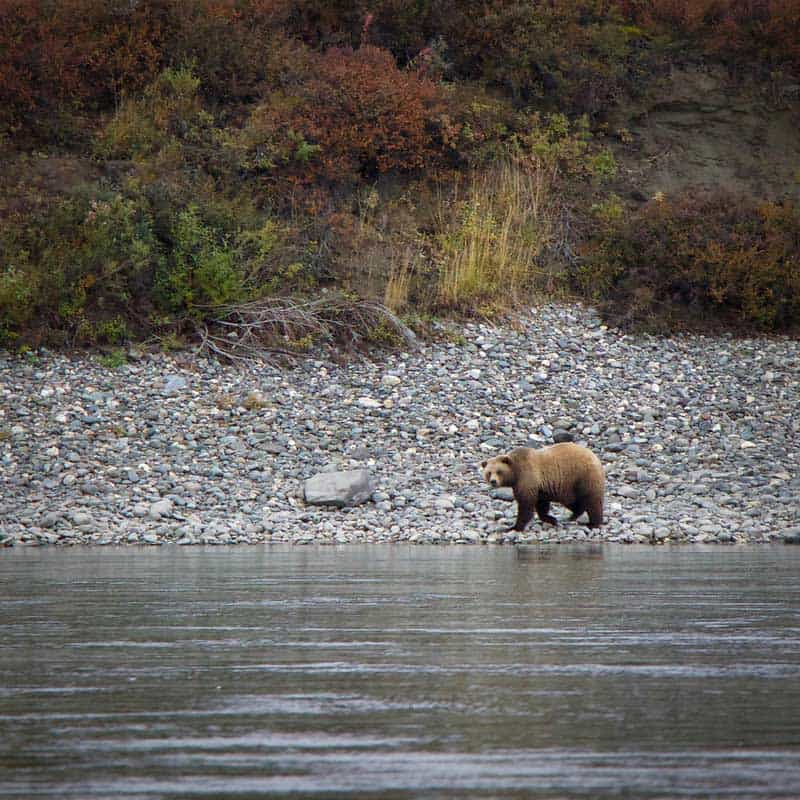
(286, 326)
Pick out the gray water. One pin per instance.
(551, 672)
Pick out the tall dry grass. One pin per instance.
(405, 268)
(493, 232)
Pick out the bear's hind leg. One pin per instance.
(595, 508)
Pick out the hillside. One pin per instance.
(168, 165)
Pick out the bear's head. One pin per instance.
(498, 471)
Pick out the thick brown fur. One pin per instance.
(562, 473)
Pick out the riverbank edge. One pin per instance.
(168, 449)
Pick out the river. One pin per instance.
(400, 672)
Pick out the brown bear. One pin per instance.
(563, 473)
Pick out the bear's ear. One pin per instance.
(483, 465)
(505, 459)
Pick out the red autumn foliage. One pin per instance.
(86, 54)
(702, 257)
(764, 30)
(233, 45)
(56, 55)
(19, 21)
(353, 114)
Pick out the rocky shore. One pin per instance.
(700, 437)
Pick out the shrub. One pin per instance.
(702, 257)
(233, 45)
(116, 252)
(579, 51)
(78, 55)
(353, 114)
(74, 56)
(104, 266)
(578, 55)
(16, 292)
(77, 263)
(115, 359)
(766, 31)
(73, 53)
(18, 96)
(113, 331)
(169, 111)
(209, 265)
(201, 269)
(574, 55)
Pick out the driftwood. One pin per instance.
(285, 326)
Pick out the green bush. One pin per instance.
(201, 269)
(114, 359)
(76, 263)
(104, 266)
(702, 258)
(16, 291)
(109, 269)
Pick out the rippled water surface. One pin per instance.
(552, 672)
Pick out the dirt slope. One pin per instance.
(697, 127)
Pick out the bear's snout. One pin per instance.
(493, 482)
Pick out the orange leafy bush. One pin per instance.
(703, 256)
(354, 114)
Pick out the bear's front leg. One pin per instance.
(524, 515)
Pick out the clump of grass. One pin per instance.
(171, 342)
(493, 235)
(115, 359)
(404, 267)
(383, 334)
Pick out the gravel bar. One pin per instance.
(698, 434)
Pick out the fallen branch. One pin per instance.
(289, 327)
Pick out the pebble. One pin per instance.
(174, 385)
(700, 437)
(160, 509)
